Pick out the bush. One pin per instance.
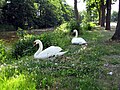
(60, 39)
(6, 27)
(16, 83)
(73, 25)
(87, 26)
(23, 46)
(2, 52)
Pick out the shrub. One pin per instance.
(23, 46)
(16, 83)
(63, 28)
(6, 27)
(73, 25)
(87, 26)
(61, 39)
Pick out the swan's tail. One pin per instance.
(61, 53)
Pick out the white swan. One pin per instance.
(52, 51)
(78, 40)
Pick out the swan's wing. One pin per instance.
(52, 49)
(49, 52)
(60, 53)
(78, 41)
(82, 40)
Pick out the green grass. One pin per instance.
(79, 69)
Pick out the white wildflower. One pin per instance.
(110, 73)
(106, 65)
(56, 63)
(73, 64)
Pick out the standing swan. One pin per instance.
(78, 40)
(52, 51)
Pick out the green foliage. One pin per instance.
(86, 22)
(63, 28)
(14, 82)
(19, 13)
(2, 3)
(88, 26)
(52, 13)
(29, 14)
(3, 54)
(23, 46)
(93, 9)
(73, 25)
(114, 16)
(6, 27)
(21, 33)
(17, 83)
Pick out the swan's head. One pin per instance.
(36, 42)
(75, 30)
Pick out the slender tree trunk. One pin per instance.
(108, 16)
(76, 11)
(99, 11)
(102, 14)
(116, 35)
(99, 17)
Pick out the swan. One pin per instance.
(52, 51)
(78, 40)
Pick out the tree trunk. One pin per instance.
(76, 11)
(99, 13)
(102, 14)
(116, 35)
(108, 16)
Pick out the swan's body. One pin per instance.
(52, 51)
(78, 40)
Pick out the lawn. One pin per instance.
(79, 69)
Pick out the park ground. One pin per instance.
(77, 69)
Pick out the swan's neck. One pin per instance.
(39, 50)
(76, 33)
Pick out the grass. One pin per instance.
(79, 69)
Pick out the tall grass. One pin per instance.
(16, 83)
(3, 53)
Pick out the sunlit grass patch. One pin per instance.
(17, 82)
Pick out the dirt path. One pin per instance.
(11, 36)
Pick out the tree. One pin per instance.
(1, 5)
(76, 12)
(116, 35)
(67, 11)
(108, 15)
(76, 21)
(52, 13)
(91, 4)
(102, 6)
(19, 13)
(28, 14)
(114, 16)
